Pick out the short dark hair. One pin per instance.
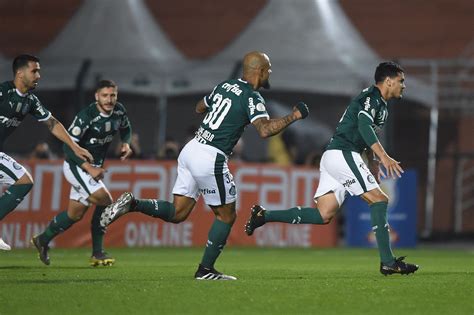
(105, 84)
(387, 69)
(22, 61)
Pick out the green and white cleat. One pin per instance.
(116, 209)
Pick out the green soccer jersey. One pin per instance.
(232, 105)
(94, 131)
(14, 106)
(347, 136)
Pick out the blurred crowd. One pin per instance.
(281, 150)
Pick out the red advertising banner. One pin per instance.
(274, 187)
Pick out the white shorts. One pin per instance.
(203, 170)
(82, 184)
(10, 170)
(342, 171)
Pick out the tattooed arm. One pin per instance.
(270, 127)
(58, 130)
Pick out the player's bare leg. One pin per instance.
(217, 238)
(389, 264)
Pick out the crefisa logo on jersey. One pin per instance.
(207, 191)
(349, 182)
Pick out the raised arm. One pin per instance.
(58, 130)
(270, 127)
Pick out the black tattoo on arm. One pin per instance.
(269, 127)
(51, 122)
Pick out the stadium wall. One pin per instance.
(274, 187)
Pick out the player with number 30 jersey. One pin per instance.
(202, 164)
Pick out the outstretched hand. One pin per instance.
(125, 151)
(303, 109)
(392, 167)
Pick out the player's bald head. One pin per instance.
(255, 60)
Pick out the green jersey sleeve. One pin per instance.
(369, 108)
(78, 128)
(208, 98)
(37, 110)
(366, 117)
(125, 129)
(254, 106)
(3, 93)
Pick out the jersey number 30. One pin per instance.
(220, 108)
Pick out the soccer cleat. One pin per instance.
(42, 250)
(3, 245)
(257, 218)
(399, 266)
(101, 258)
(116, 209)
(204, 273)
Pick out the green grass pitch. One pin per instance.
(270, 281)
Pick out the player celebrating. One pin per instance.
(342, 168)
(16, 101)
(94, 128)
(202, 164)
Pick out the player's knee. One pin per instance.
(179, 216)
(76, 216)
(379, 198)
(228, 217)
(101, 199)
(327, 217)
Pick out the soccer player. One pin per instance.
(202, 164)
(343, 170)
(16, 101)
(94, 128)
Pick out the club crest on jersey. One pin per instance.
(371, 179)
(260, 107)
(76, 131)
(232, 190)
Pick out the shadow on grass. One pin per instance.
(45, 267)
(58, 281)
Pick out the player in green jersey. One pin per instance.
(202, 164)
(17, 101)
(343, 169)
(93, 128)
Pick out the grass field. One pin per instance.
(271, 281)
